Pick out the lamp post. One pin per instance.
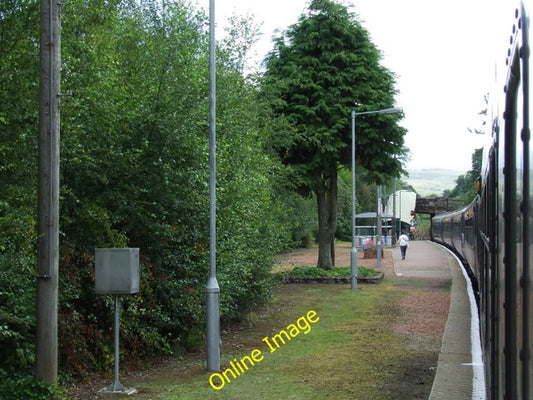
(212, 288)
(353, 252)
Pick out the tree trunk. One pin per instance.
(333, 248)
(327, 223)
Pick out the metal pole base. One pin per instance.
(353, 267)
(117, 388)
(213, 325)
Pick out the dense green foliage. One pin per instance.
(318, 69)
(366, 200)
(314, 272)
(134, 172)
(15, 386)
(19, 66)
(465, 189)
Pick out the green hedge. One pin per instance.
(314, 272)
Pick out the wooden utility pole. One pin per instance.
(48, 196)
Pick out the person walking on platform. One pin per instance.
(403, 241)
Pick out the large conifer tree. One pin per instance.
(316, 73)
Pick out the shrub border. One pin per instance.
(330, 279)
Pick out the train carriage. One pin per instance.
(493, 234)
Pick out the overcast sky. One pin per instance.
(442, 52)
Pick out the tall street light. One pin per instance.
(353, 252)
(212, 288)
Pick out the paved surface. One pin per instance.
(458, 370)
(424, 259)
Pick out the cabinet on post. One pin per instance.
(117, 273)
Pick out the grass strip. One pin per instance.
(351, 352)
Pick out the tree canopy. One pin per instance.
(319, 69)
(465, 185)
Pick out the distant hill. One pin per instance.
(433, 181)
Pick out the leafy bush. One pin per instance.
(301, 217)
(134, 173)
(17, 288)
(337, 271)
(20, 387)
(18, 172)
(308, 272)
(365, 272)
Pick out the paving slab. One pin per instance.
(458, 370)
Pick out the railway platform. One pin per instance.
(459, 372)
